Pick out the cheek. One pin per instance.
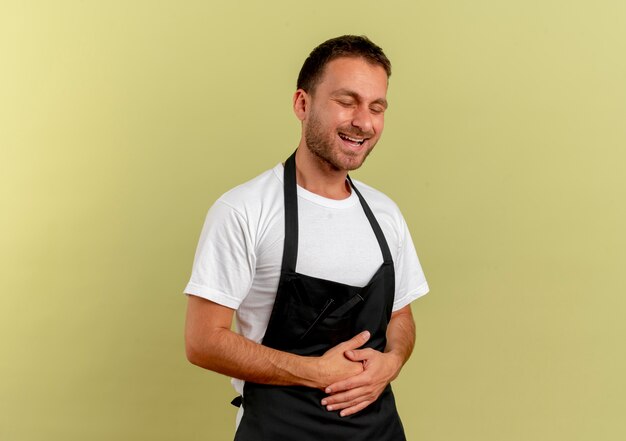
(379, 125)
(342, 117)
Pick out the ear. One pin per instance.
(301, 101)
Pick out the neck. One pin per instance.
(319, 177)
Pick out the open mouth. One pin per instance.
(351, 140)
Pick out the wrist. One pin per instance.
(396, 361)
(309, 374)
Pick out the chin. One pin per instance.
(350, 164)
(353, 162)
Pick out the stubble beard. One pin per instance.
(325, 148)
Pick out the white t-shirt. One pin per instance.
(239, 255)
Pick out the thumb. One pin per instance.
(357, 341)
(358, 355)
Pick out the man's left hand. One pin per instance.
(356, 393)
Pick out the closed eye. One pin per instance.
(345, 103)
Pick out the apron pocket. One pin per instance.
(319, 328)
(330, 325)
(301, 319)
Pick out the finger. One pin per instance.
(359, 354)
(354, 409)
(359, 380)
(357, 341)
(348, 399)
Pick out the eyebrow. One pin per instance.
(356, 96)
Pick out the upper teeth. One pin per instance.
(351, 139)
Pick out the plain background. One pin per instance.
(121, 122)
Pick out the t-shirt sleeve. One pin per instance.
(224, 263)
(410, 280)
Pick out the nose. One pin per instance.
(362, 119)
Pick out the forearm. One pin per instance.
(401, 336)
(231, 354)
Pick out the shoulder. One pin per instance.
(251, 208)
(378, 201)
(254, 195)
(387, 213)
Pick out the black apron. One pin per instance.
(310, 316)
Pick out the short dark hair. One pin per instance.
(344, 46)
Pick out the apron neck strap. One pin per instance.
(290, 252)
(380, 236)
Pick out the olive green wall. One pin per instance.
(122, 121)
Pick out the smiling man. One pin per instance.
(319, 270)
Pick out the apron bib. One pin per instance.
(310, 316)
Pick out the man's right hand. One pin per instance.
(334, 366)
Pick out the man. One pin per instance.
(319, 270)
